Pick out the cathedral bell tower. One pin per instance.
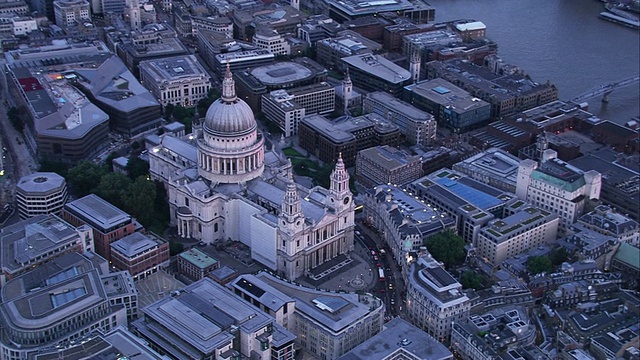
(291, 216)
(339, 193)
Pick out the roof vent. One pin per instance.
(404, 342)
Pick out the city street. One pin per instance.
(18, 160)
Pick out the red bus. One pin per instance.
(381, 274)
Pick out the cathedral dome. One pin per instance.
(229, 116)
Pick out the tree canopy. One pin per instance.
(143, 199)
(539, 264)
(137, 167)
(471, 280)
(84, 177)
(446, 247)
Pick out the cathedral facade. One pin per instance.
(223, 186)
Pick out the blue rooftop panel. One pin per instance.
(441, 90)
(475, 197)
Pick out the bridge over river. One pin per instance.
(605, 90)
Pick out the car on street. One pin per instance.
(390, 286)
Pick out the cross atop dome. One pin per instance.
(228, 86)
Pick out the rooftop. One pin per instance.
(503, 229)
(174, 68)
(388, 157)
(41, 182)
(560, 174)
(400, 107)
(198, 258)
(282, 73)
(134, 244)
(448, 95)
(378, 66)
(28, 240)
(98, 213)
(114, 85)
(399, 337)
(363, 7)
(334, 310)
(66, 286)
(629, 255)
(436, 283)
(201, 318)
(239, 56)
(474, 193)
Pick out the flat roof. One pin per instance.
(474, 196)
(399, 336)
(200, 317)
(134, 244)
(198, 258)
(363, 7)
(42, 298)
(240, 56)
(41, 182)
(388, 157)
(390, 102)
(629, 255)
(502, 229)
(97, 212)
(282, 73)
(348, 314)
(378, 66)
(174, 68)
(448, 95)
(27, 240)
(474, 25)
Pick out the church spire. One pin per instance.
(228, 86)
(347, 88)
(291, 206)
(339, 177)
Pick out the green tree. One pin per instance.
(142, 194)
(84, 177)
(168, 111)
(471, 280)
(161, 208)
(115, 188)
(558, 256)
(14, 118)
(109, 160)
(446, 247)
(180, 112)
(137, 167)
(539, 264)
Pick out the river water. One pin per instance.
(563, 41)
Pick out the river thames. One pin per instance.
(562, 41)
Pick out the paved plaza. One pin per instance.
(155, 287)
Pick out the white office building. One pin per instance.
(179, 80)
(556, 186)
